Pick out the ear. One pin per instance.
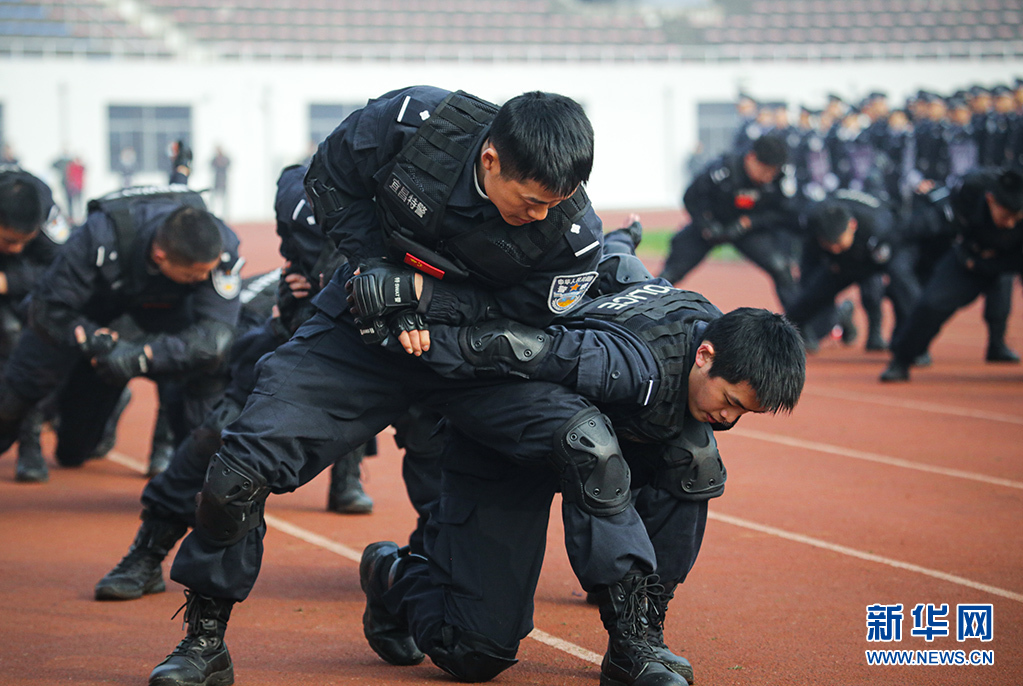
(158, 254)
(489, 159)
(704, 354)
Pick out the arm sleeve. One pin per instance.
(355, 155)
(205, 343)
(64, 289)
(605, 366)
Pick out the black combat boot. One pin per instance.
(201, 659)
(109, 439)
(999, 351)
(31, 467)
(346, 495)
(139, 572)
(388, 635)
(163, 445)
(631, 658)
(658, 607)
(896, 371)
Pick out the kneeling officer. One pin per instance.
(150, 260)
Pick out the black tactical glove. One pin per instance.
(123, 363)
(374, 331)
(97, 343)
(381, 289)
(716, 233)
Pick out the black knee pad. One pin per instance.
(230, 504)
(594, 475)
(693, 469)
(469, 656)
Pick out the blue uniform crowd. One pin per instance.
(445, 273)
(919, 204)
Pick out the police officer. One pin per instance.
(852, 240)
(667, 368)
(169, 499)
(32, 228)
(486, 204)
(154, 254)
(985, 211)
(738, 200)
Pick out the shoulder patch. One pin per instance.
(567, 291)
(56, 226)
(228, 285)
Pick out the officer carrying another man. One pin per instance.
(32, 228)
(738, 200)
(150, 259)
(852, 238)
(668, 368)
(985, 211)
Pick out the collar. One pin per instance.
(476, 181)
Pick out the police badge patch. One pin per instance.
(228, 283)
(56, 227)
(567, 291)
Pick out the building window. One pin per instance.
(324, 118)
(717, 122)
(147, 131)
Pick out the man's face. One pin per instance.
(845, 240)
(519, 202)
(758, 172)
(12, 242)
(1003, 217)
(183, 273)
(714, 400)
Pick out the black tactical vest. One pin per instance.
(413, 198)
(663, 318)
(117, 206)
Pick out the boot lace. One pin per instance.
(633, 621)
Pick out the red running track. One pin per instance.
(867, 495)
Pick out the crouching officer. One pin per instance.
(851, 240)
(739, 200)
(667, 368)
(986, 212)
(156, 255)
(32, 228)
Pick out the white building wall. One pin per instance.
(644, 115)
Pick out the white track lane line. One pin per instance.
(870, 557)
(873, 457)
(919, 405)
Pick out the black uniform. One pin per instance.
(631, 354)
(715, 202)
(171, 494)
(24, 269)
(870, 255)
(102, 273)
(297, 421)
(981, 255)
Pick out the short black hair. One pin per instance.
(827, 221)
(1008, 190)
(762, 348)
(544, 137)
(21, 205)
(190, 236)
(771, 150)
